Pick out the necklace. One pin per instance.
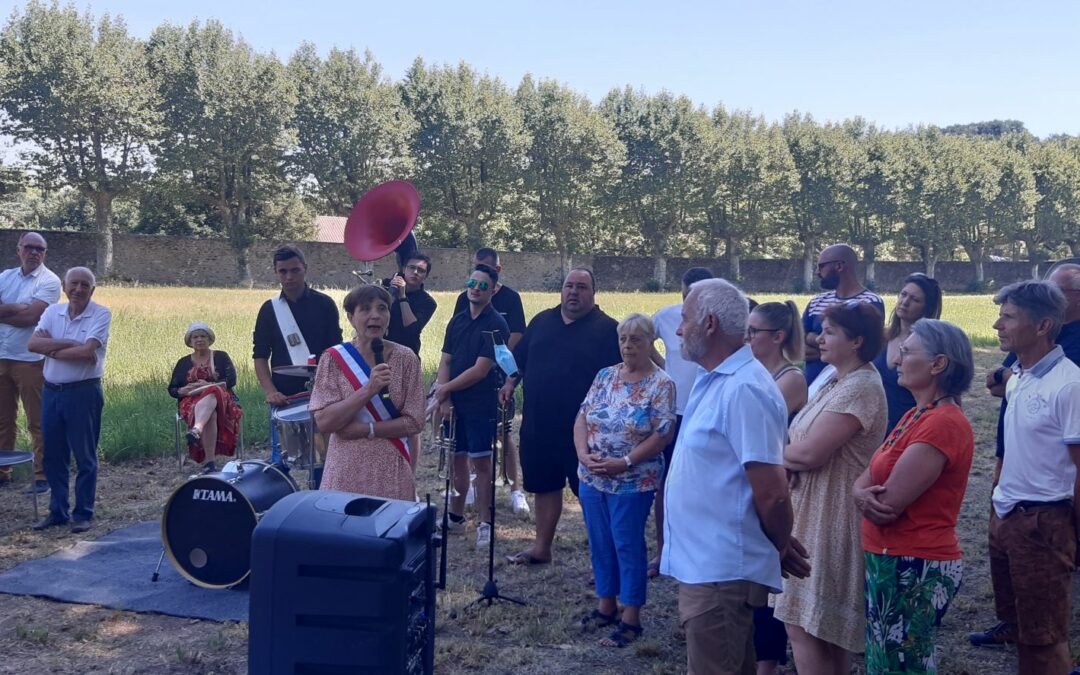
(910, 417)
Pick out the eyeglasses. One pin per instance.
(473, 283)
(751, 331)
(416, 269)
(31, 248)
(905, 353)
(823, 265)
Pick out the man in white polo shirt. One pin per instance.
(73, 337)
(25, 292)
(1033, 527)
(728, 512)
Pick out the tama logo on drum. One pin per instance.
(200, 495)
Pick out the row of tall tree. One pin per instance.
(192, 131)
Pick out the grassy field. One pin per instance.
(149, 323)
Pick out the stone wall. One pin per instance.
(211, 262)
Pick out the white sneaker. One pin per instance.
(483, 534)
(519, 503)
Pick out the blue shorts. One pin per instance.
(474, 435)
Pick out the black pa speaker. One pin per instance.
(342, 583)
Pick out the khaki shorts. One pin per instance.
(1032, 554)
(718, 619)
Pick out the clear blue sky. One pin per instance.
(894, 63)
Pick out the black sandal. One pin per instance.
(193, 436)
(597, 620)
(622, 636)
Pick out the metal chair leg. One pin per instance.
(176, 437)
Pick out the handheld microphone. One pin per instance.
(377, 349)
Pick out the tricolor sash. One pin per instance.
(379, 408)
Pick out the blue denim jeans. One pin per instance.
(71, 425)
(616, 527)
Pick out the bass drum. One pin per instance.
(207, 525)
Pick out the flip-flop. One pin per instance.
(623, 635)
(596, 620)
(525, 558)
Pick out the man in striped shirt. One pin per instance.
(837, 270)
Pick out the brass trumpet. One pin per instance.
(444, 439)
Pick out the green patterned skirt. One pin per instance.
(905, 600)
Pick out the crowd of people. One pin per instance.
(805, 469)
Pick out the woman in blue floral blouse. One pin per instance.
(623, 426)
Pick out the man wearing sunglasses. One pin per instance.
(838, 271)
(506, 302)
(413, 306)
(468, 380)
(25, 292)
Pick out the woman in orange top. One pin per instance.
(910, 498)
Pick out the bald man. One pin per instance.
(837, 269)
(25, 292)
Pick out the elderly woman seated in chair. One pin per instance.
(203, 382)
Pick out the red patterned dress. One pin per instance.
(229, 412)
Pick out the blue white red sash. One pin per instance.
(380, 408)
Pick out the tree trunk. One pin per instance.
(103, 225)
(660, 271)
(809, 252)
(1074, 247)
(931, 265)
(243, 267)
(870, 253)
(733, 259)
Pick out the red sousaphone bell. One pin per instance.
(382, 221)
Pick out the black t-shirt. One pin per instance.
(506, 301)
(319, 322)
(559, 362)
(423, 308)
(1069, 341)
(467, 339)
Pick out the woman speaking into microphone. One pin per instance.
(369, 398)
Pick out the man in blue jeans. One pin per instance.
(72, 336)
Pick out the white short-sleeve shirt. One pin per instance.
(93, 323)
(1041, 421)
(680, 370)
(18, 288)
(712, 533)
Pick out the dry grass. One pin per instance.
(42, 636)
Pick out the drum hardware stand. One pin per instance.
(157, 569)
(490, 593)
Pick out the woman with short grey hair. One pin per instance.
(910, 497)
(619, 434)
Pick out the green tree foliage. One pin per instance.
(80, 92)
(871, 214)
(989, 129)
(660, 189)
(228, 116)
(574, 159)
(469, 150)
(748, 175)
(816, 206)
(352, 130)
(1056, 169)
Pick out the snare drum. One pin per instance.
(296, 432)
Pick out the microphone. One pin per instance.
(377, 349)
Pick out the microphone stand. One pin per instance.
(490, 593)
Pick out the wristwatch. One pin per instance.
(629, 462)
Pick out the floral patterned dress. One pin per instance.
(621, 414)
(228, 410)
